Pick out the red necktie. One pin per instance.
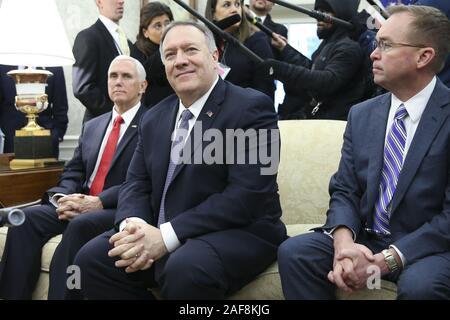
(105, 162)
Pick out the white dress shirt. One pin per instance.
(169, 236)
(111, 26)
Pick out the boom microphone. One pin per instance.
(224, 35)
(259, 25)
(228, 21)
(11, 217)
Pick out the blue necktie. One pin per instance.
(180, 135)
(392, 165)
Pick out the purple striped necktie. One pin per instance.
(392, 165)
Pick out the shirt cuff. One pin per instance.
(169, 236)
(400, 254)
(54, 198)
(330, 232)
(123, 224)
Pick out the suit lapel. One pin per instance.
(432, 119)
(162, 142)
(98, 131)
(203, 123)
(106, 35)
(377, 129)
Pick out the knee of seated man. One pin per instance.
(419, 287)
(298, 247)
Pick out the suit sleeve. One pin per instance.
(433, 236)
(340, 69)
(85, 80)
(74, 174)
(242, 202)
(344, 189)
(59, 103)
(262, 81)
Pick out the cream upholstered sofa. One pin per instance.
(310, 153)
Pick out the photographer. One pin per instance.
(334, 79)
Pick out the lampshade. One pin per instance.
(32, 34)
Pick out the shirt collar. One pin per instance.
(416, 105)
(109, 24)
(197, 106)
(128, 115)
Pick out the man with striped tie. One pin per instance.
(390, 198)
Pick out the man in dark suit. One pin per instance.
(262, 8)
(83, 203)
(53, 118)
(207, 229)
(390, 203)
(94, 49)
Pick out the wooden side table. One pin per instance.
(25, 185)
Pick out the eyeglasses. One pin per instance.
(386, 45)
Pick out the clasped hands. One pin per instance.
(73, 205)
(138, 245)
(351, 263)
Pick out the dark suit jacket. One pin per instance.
(420, 219)
(77, 171)
(275, 27)
(245, 72)
(94, 49)
(53, 118)
(232, 207)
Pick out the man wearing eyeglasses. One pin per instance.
(390, 198)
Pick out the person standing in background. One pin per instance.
(54, 118)
(244, 72)
(155, 16)
(94, 49)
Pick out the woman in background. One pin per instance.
(244, 71)
(155, 16)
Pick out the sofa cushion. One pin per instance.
(310, 153)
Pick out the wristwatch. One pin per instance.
(390, 260)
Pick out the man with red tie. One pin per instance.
(83, 203)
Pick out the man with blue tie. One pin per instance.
(197, 229)
(390, 198)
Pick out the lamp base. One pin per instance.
(17, 164)
(34, 145)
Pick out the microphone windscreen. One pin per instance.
(228, 21)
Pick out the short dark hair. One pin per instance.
(430, 27)
(148, 12)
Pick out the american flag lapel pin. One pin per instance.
(209, 113)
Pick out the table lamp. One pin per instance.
(32, 35)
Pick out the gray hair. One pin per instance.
(210, 41)
(430, 27)
(139, 67)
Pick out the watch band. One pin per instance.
(390, 260)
